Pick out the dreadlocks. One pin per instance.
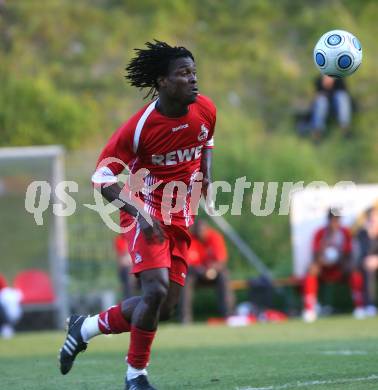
(144, 69)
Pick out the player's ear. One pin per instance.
(161, 81)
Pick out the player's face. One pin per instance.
(181, 82)
(334, 223)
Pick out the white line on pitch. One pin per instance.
(299, 384)
(344, 352)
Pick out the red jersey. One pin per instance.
(211, 249)
(120, 245)
(170, 148)
(215, 245)
(340, 240)
(3, 282)
(196, 253)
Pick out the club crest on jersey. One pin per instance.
(202, 136)
(138, 258)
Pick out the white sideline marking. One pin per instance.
(297, 385)
(344, 352)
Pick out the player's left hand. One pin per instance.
(152, 232)
(208, 196)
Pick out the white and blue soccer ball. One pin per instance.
(338, 53)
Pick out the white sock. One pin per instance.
(132, 372)
(90, 328)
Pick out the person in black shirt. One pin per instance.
(332, 99)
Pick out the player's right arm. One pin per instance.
(113, 192)
(114, 158)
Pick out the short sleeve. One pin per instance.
(117, 153)
(209, 110)
(210, 143)
(317, 240)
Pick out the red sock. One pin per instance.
(140, 347)
(310, 292)
(356, 286)
(113, 321)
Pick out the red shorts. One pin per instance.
(171, 253)
(331, 274)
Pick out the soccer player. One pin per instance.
(332, 262)
(172, 137)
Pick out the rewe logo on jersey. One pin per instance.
(202, 136)
(185, 126)
(177, 156)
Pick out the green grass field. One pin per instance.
(335, 353)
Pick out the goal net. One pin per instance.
(24, 244)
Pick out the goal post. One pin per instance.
(23, 243)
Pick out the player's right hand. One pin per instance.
(152, 232)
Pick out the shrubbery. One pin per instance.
(62, 82)
(34, 112)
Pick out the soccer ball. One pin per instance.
(338, 53)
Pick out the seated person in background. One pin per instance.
(332, 262)
(10, 308)
(207, 260)
(128, 281)
(367, 240)
(332, 98)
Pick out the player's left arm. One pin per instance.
(207, 156)
(206, 169)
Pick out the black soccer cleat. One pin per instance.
(73, 343)
(139, 383)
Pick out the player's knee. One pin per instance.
(156, 293)
(168, 308)
(161, 291)
(155, 285)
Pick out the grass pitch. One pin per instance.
(335, 353)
